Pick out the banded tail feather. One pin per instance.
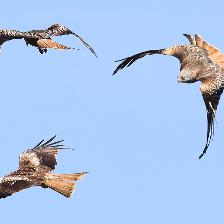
(63, 183)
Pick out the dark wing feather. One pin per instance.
(129, 60)
(85, 43)
(190, 38)
(211, 102)
(12, 184)
(60, 30)
(6, 35)
(47, 152)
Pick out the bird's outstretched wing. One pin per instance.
(11, 184)
(211, 99)
(126, 62)
(60, 30)
(46, 152)
(213, 52)
(6, 35)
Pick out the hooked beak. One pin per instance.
(184, 79)
(180, 79)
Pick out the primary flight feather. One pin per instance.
(199, 61)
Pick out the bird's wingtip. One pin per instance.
(198, 35)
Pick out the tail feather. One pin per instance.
(213, 52)
(62, 183)
(48, 43)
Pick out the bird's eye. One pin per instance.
(26, 163)
(182, 78)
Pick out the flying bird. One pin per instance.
(200, 61)
(42, 38)
(35, 166)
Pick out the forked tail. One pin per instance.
(48, 43)
(62, 183)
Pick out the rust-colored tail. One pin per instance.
(62, 183)
(213, 52)
(48, 43)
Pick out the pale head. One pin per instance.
(29, 159)
(186, 76)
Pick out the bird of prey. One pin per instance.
(42, 38)
(35, 166)
(199, 61)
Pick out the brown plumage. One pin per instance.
(42, 38)
(35, 166)
(199, 61)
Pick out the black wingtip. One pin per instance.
(49, 142)
(92, 51)
(4, 195)
(204, 151)
(115, 71)
(120, 60)
(95, 55)
(122, 65)
(201, 156)
(39, 143)
(85, 43)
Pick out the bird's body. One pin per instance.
(199, 61)
(35, 166)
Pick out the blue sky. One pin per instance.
(139, 133)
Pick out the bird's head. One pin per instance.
(29, 159)
(58, 27)
(185, 76)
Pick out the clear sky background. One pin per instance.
(139, 133)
